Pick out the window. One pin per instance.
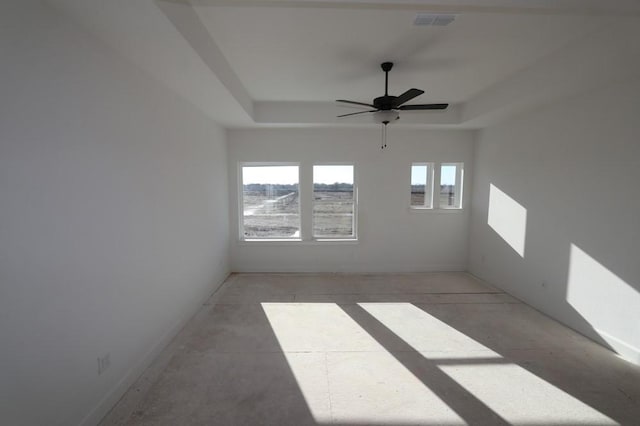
(334, 202)
(270, 202)
(422, 185)
(426, 176)
(271, 196)
(451, 177)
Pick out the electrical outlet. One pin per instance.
(103, 363)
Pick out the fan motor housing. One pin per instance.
(384, 103)
(386, 66)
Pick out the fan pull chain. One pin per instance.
(383, 144)
(385, 135)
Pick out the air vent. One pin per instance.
(434, 19)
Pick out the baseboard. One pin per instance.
(623, 349)
(113, 396)
(356, 269)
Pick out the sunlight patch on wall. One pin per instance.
(508, 218)
(608, 303)
(329, 353)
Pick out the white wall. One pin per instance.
(575, 168)
(113, 220)
(392, 237)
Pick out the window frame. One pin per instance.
(429, 185)
(240, 180)
(436, 178)
(354, 201)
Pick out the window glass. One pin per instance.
(271, 202)
(333, 201)
(451, 177)
(421, 185)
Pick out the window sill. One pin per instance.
(297, 242)
(335, 240)
(436, 211)
(270, 240)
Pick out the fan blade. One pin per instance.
(355, 103)
(407, 96)
(354, 113)
(423, 107)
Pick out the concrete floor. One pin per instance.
(401, 349)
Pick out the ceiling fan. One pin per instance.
(386, 108)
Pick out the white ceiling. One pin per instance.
(284, 62)
(308, 54)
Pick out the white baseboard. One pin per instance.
(348, 268)
(113, 396)
(624, 350)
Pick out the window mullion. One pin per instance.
(436, 186)
(306, 201)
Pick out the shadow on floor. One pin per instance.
(326, 349)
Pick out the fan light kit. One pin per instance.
(386, 117)
(386, 109)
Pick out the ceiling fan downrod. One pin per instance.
(386, 67)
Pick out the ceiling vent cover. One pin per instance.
(434, 19)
